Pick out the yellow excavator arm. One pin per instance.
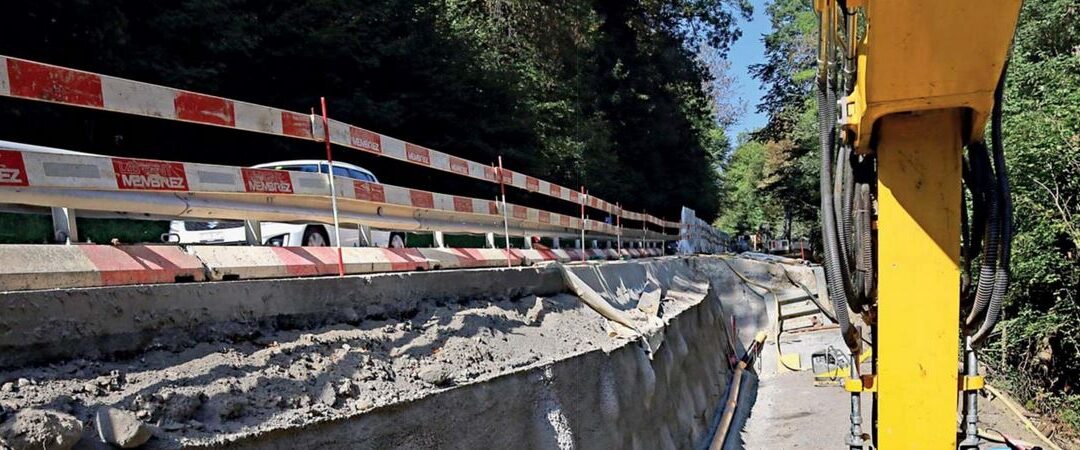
(906, 89)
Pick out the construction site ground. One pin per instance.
(492, 358)
(791, 412)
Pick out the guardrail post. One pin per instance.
(365, 235)
(505, 213)
(489, 240)
(555, 243)
(528, 242)
(64, 229)
(253, 232)
(438, 238)
(618, 227)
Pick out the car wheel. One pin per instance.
(397, 240)
(315, 237)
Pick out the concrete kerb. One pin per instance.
(25, 267)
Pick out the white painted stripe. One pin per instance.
(480, 206)
(76, 175)
(137, 98)
(5, 84)
(518, 180)
(439, 160)
(257, 118)
(339, 132)
(309, 185)
(306, 183)
(397, 195)
(394, 148)
(443, 202)
(476, 170)
(213, 178)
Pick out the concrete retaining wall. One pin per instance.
(616, 400)
(616, 392)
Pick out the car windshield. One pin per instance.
(347, 172)
(338, 170)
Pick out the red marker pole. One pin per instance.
(333, 191)
(506, 219)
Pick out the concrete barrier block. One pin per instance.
(531, 256)
(560, 255)
(225, 263)
(486, 257)
(25, 267)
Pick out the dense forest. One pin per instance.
(608, 94)
(770, 182)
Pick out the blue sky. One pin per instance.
(748, 50)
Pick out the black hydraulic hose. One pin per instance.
(833, 272)
(979, 164)
(988, 267)
(847, 225)
(1001, 276)
(866, 248)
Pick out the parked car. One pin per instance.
(288, 234)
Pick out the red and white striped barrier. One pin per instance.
(22, 169)
(25, 267)
(231, 263)
(36, 81)
(43, 82)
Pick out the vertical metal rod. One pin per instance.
(970, 439)
(584, 199)
(618, 227)
(506, 219)
(64, 229)
(644, 232)
(854, 439)
(333, 190)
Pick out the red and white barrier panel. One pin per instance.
(31, 80)
(90, 172)
(43, 82)
(24, 267)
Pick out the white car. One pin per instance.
(288, 234)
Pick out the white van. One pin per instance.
(288, 234)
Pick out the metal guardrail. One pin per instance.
(153, 189)
(36, 81)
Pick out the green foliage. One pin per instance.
(1041, 128)
(744, 203)
(1039, 354)
(783, 175)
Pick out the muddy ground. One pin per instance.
(222, 391)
